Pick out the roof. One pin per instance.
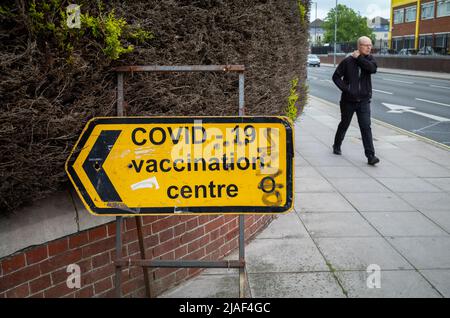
(317, 23)
(383, 21)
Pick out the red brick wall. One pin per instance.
(435, 25)
(406, 28)
(40, 271)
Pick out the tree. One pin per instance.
(350, 25)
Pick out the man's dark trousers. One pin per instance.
(362, 110)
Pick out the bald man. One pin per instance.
(353, 78)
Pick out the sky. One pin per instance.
(368, 9)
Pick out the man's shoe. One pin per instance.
(373, 160)
(337, 150)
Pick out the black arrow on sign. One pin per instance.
(93, 165)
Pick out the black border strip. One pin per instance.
(194, 209)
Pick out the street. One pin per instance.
(418, 104)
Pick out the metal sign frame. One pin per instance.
(144, 263)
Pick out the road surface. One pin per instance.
(417, 104)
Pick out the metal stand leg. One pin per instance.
(118, 256)
(119, 218)
(241, 217)
(119, 94)
(242, 257)
(142, 249)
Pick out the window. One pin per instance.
(410, 14)
(425, 40)
(443, 8)
(441, 40)
(398, 16)
(428, 10)
(409, 43)
(397, 44)
(443, 43)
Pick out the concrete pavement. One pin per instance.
(350, 220)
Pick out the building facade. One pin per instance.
(380, 28)
(423, 25)
(316, 32)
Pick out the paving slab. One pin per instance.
(207, 286)
(342, 172)
(380, 146)
(442, 183)
(302, 136)
(300, 161)
(326, 137)
(295, 285)
(408, 185)
(305, 172)
(352, 146)
(424, 252)
(327, 202)
(440, 279)
(368, 202)
(393, 284)
(313, 184)
(358, 185)
(337, 224)
(440, 217)
(428, 201)
(403, 224)
(404, 158)
(360, 252)
(311, 148)
(429, 151)
(284, 226)
(323, 160)
(286, 255)
(387, 170)
(442, 158)
(428, 170)
(395, 138)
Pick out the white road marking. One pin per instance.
(430, 101)
(394, 80)
(446, 87)
(426, 127)
(393, 108)
(327, 80)
(379, 91)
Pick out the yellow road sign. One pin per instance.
(167, 165)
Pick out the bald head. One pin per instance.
(364, 40)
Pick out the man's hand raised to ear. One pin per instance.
(356, 53)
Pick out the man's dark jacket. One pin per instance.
(352, 76)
